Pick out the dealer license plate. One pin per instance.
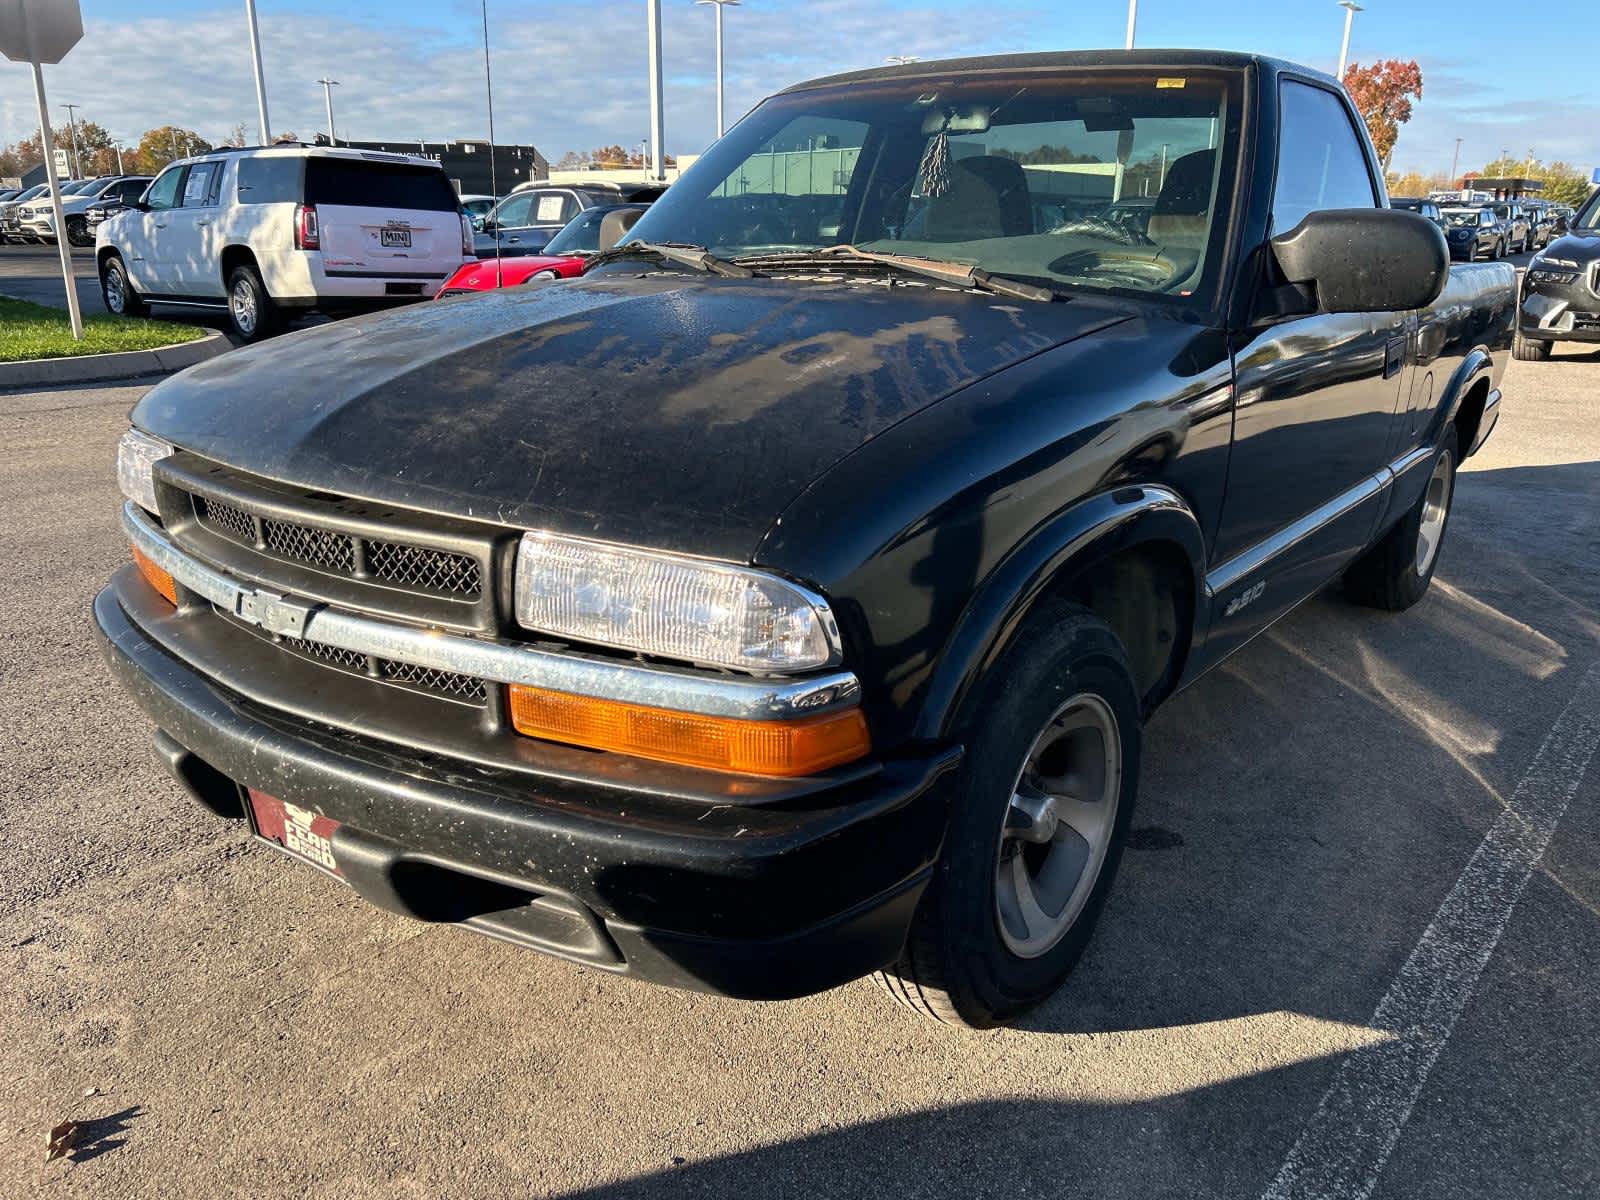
(298, 831)
(390, 235)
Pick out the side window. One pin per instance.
(270, 179)
(131, 189)
(164, 191)
(1320, 159)
(197, 189)
(513, 214)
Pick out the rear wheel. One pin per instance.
(1036, 831)
(252, 312)
(1395, 573)
(117, 291)
(1529, 349)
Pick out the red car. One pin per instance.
(563, 258)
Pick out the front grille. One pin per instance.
(418, 568)
(446, 685)
(320, 547)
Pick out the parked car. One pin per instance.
(39, 218)
(585, 235)
(778, 603)
(10, 221)
(28, 214)
(1543, 217)
(1561, 289)
(478, 208)
(296, 228)
(526, 220)
(1474, 232)
(1519, 229)
(1423, 208)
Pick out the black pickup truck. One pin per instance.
(781, 601)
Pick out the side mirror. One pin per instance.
(1562, 226)
(485, 224)
(479, 224)
(614, 225)
(1360, 260)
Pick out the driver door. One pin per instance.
(143, 251)
(1317, 398)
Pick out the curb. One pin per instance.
(97, 368)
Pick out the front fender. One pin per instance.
(1076, 538)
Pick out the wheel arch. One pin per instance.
(235, 255)
(1465, 399)
(1103, 552)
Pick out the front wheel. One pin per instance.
(78, 233)
(252, 312)
(1038, 822)
(1529, 349)
(1395, 573)
(117, 291)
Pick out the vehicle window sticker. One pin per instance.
(550, 208)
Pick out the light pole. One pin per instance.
(1351, 8)
(1133, 21)
(72, 126)
(327, 98)
(658, 117)
(719, 5)
(1455, 162)
(261, 79)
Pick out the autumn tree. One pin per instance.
(1382, 94)
(237, 137)
(160, 146)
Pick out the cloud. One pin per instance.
(572, 77)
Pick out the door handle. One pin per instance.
(1394, 357)
(160, 226)
(202, 223)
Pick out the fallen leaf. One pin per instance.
(62, 1139)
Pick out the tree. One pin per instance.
(572, 161)
(160, 146)
(1383, 93)
(237, 137)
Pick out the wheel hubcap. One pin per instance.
(1435, 508)
(244, 307)
(1058, 826)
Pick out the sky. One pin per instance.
(571, 74)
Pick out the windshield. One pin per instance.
(581, 235)
(1110, 178)
(1589, 215)
(1461, 216)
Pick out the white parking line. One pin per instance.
(1344, 1146)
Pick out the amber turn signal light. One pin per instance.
(156, 577)
(799, 747)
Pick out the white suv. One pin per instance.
(280, 228)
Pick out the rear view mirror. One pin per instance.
(961, 118)
(1365, 259)
(614, 225)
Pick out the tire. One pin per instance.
(1395, 573)
(970, 958)
(252, 312)
(117, 290)
(1530, 349)
(78, 232)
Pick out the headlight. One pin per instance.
(137, 455)
(1545, 261)
(661, 604)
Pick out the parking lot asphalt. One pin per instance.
(1352, 952)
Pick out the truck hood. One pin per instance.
(656, 408)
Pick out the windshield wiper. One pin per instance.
(959, 274)
(684, 255)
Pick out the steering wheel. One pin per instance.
(1147, 272)
(1103, 228)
